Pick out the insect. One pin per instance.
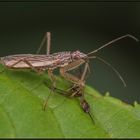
(77, 93)
(65, 61)
(77, 90)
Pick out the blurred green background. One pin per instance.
(83, 26)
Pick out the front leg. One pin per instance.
(78, 82)
(64, 72)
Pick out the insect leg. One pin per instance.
(86, 68)
(47, 38)
(78, 90)
(52, 78)
(83, 103)
(64, 72)
(78, 82)
(28, 63)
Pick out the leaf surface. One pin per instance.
(22, 95)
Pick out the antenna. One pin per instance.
(107, 44)
(108, 64)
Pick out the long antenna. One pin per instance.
(107, 44)
(105, 62)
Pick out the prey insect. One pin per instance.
(77, 94)
(65, 61)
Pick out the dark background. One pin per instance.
(84, 26)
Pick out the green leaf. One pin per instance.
(23, 92)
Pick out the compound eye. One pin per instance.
(77, 52)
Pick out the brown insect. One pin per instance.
(65, 61)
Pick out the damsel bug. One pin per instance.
(77, 90)
(65, 61)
